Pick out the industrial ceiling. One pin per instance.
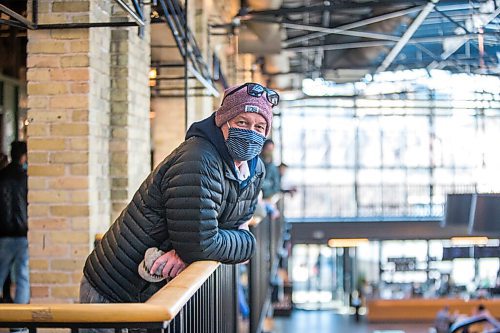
(343, 41)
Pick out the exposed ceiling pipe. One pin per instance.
(406, 36)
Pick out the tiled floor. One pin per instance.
(302, 321)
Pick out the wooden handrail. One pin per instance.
(178, 291)
(162, 306)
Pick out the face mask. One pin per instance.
(244, 144)
(25, 166)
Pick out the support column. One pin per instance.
(199, 12)
(68, 134)
(168, 126)
(80, 136)
(130, 144)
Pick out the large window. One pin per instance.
(394, 154)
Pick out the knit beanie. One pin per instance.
(240, 102)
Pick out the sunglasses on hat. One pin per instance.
(256, 90)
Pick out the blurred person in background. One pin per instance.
(284, 186)
(6, 294)
(271, 184)
(14, 223)
(444, 319)
(4, 161)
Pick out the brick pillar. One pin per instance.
(200, 11)
(68, 107)
(130, 125)
(168, 126)
(88, 100)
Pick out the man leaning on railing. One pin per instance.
(194, 206)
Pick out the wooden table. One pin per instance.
(415, 310)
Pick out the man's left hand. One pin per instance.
(173, 264)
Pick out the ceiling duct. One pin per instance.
(260, 38)
(277, 66)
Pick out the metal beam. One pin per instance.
(186, 44)
(58, 26)
(446, 55)
(26, 24)
(355, 45)
(340, 46)
(339, 31)
(12, 23)
(452, 20)
(203, 81)
(406, 36)
(335, 6)
(354, 25)
(299, 26)
(16, 16)
(132, 14)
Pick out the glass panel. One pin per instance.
(398, 157)
(343, 144)
(393, 140)
(451, 149)
(369, 142)
(463, 271)
(488, 270)
(317, 148)
(417, 143)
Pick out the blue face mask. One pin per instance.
(244, 144)
(25, 166)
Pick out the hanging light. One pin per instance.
(347, 242)
(469, 240)
(152, 77)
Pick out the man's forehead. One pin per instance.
(251, 116)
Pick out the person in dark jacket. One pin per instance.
(14, 222)
(194, 206)
(272, 182)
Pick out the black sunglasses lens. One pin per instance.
(273, 97)
(255, 90)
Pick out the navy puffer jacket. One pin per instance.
(192, 202)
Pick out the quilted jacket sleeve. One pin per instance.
(194, 197)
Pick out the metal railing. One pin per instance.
(200, 299)
(262, 269)
(371, 200)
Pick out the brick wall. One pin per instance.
(119, 121)
(70, 140)
(168, 126)
(130, 130)
(99, 120)
(58, 140)
(139, 138)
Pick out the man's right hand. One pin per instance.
(173, 264)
